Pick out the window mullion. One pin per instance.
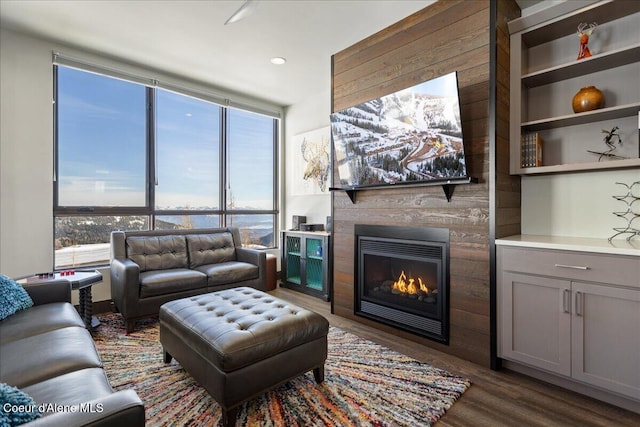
(152, 157)
(224, 184)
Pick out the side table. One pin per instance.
(82, 281)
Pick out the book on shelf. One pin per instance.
(531, 150)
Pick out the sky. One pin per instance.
(102, 147)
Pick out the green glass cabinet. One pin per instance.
(305, 262)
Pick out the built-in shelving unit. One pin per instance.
(545, 75)
(560, 298)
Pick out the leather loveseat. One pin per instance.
(47, 353)
(149, 268)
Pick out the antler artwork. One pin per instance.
(584, 31)
(316, 155)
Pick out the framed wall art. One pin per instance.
(311, 165)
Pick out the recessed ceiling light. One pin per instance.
(278, 60)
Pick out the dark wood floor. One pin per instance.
(496, 398)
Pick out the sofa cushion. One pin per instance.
(229, 272)
(162, 282)
(40, 357)
(71, 388)
(210, 249)
(13, 297)
(15, 397)
(39, 319)
(157, 252)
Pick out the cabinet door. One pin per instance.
(293, 258)
(314, 256)
(536, 317)
(606, 337)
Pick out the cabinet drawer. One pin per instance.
(603, 268)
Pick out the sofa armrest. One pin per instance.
(48, 292)
(125, 279)
(255, 257)
(123, 408)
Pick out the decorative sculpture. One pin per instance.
(611, 134)
(631, 213)
(584, 31)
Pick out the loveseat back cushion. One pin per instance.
(207, 249)
(157, 252)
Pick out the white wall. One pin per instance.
(300, 118)
(26, 153)
(576, 204)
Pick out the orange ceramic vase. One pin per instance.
(588, 98)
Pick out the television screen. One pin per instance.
(408, 137)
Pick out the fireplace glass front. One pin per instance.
(402, 278)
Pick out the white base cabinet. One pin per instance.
(556, 314)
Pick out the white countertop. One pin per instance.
(581, 244)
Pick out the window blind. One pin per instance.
(121, 73)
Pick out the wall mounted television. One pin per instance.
(413, 136)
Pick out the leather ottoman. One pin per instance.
(239, 343)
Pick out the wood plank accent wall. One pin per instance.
(447, 36)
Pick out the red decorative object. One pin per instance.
(584, 31)
(588, 98)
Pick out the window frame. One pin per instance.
(151, 164)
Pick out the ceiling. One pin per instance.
(189, 38)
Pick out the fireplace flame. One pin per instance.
(409, 286)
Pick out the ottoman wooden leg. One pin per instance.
(167, 357)
(130, 325)
(229, 416)
(318, 374)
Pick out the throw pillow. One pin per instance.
(13, 297)
(16, 407)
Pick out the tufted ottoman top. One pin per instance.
(237, 327)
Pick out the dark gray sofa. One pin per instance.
(149, 268)
(47, 352)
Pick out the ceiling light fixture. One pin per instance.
(278, 60)
(245, 10)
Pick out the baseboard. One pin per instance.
(578, 387)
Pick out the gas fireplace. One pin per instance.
(402, 278)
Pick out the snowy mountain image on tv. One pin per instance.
(410, 136)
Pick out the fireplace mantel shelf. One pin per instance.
(447, 186)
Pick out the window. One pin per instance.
(250, 161)
(188, 158)
(101, 140)
(84, 240)
(251, 176)
(136, 157)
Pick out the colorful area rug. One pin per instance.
(365, 385)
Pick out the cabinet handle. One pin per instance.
(578, 303)
(575, 267)
(566, 301)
